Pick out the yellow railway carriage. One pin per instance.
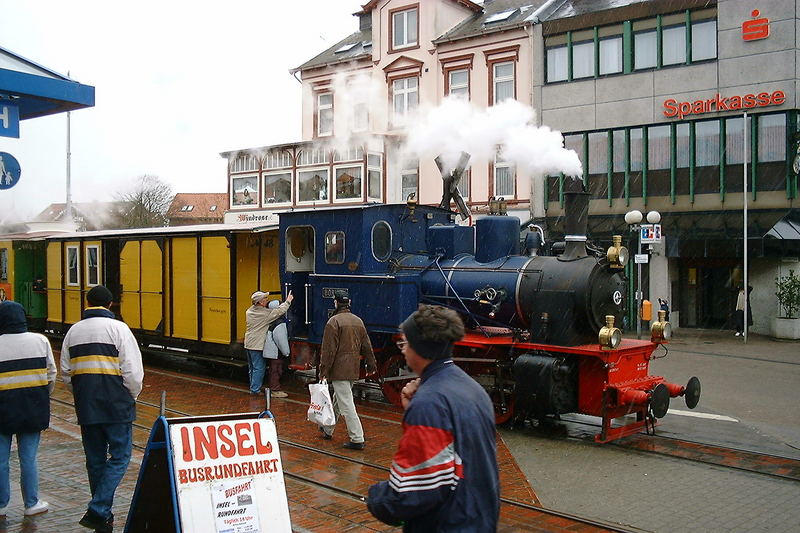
(184, 287)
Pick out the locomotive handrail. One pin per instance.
(339, 276)
(306, 302)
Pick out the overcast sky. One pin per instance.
(177, 82)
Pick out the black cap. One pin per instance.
(342, 297)
(99, 296)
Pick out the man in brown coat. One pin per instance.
(344, 342)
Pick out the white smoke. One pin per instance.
(457, 126)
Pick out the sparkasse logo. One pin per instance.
(758, 28)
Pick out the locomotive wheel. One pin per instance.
(692, 392)
(394, 367)
(659, 400)
(503, 406)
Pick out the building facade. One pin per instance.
(651, 95)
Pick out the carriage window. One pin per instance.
(300, 241)
(92, 265)
(4, 264)
(334, 247)
(381, 241)
(73, 267)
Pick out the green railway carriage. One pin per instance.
(22, 273)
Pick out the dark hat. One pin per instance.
(12, 318)
(429, 349)
(99, 296)
(342, 297)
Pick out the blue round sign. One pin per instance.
(9, 170)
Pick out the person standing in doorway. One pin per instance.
(27, 378)
(739, 314)
(344, 342)
(444, 474)
(101, 362)
(258, 317)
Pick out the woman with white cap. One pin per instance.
(258, 318)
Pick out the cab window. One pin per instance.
(334, 247)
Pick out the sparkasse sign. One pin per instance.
(674, 108)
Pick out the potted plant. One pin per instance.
(787, 326)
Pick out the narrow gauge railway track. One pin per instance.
(700, 452)
(335, 478)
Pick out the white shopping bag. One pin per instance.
(320, 411)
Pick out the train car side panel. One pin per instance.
(247, 255)
(129, 274)
(184, 288)
(270, 278)
(54, 283)
(215, 296)
(152, 278)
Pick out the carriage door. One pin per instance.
(141, 285)
(299, 261)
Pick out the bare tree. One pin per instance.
(147, 202)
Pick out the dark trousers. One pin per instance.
(108, 452)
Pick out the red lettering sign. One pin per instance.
(674, 108)
(758, 28)
(223, 440)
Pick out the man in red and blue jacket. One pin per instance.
(444, 474)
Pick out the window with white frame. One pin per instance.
(245, 190)
(73, 266)
(278, 187)
(374, 176)
(410, 183)
(312, 185)
(92, 265)
(324, 114)
(458, 82)
(348, 183)
(334, 247)
(4, 264)
(404, 28)
(405, 98)
(504, 179)
(503, 80)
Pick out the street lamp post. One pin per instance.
(634, 219)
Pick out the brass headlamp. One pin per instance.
(609, 336)
(617, 255)
(661, 330)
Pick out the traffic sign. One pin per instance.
(650, 233)
(9, 170)
(9, 120)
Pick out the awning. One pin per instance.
(695, 225)
(38, 91)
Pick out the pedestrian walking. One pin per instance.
(739, 313)
(27, 378)
(258, 318)
(344, 342)
(444, 474)
(101, 362)
(663, 305)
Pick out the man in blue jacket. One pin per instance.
(444, 473)
(101, 361)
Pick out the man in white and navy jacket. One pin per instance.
(100, 359)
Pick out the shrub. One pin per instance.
(788, 294)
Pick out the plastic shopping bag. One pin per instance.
(320, 411)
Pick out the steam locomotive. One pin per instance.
(541, 335)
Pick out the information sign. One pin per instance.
(9, 120)
(640, 259)
(9, 170)
(229, 477)
(650, 233)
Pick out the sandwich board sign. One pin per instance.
(223, 473)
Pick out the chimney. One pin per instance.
(576, 221)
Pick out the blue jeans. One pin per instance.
(108, 452)
(257, 367)
(27, 446)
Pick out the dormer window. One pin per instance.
(405, 27)
(500, 17)
(212, 208)
(187, 207)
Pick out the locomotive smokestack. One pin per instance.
(576, 221)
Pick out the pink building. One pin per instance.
(359, 102)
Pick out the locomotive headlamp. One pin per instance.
(617, 255)
(609, 336)
(661, 330)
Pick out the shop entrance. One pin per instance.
(707, 293)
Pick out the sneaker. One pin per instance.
(278, 394)
(37, 508)
(325, 434)
(100, 525)
(737, 333)
(350, 445)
